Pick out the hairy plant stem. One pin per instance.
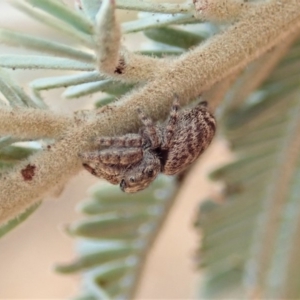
(33, 123)
(188, 76)
(113, 60)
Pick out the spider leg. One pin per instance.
(151, 131)
(89, 157)
(171, 124)
(98, 172)
(128, 140)
(119, 156)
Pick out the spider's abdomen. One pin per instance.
(193, 133)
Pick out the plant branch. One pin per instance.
(33, 123)
(197, 70)
(216, 10)
(108, 37)
(33, 178)
(134, 68)
(117, 62)
(187, 76)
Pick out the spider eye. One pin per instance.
(123, 185)
(131, 179)
(150, 173)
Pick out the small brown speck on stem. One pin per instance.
(28, 172)
(121, 66)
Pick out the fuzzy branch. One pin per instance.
(224, 54)
(216, 10)
(33, 123)
(187, 76)
(135, 68)
(108, 37)
(115, 61)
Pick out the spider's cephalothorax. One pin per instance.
(134, 160)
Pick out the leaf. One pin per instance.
(15, 153)
(91, 8)
(147, 6)
(7, 141)
(9, 93)
(158, 20)
(160, 52)
(64, 81)
(15, 222)
(59, 17)
(14, 94)
(99, 257)
(36, 43)
(52, 22)
(174, 37)
(104, 101)
(107, 86)
(117, 237)
(43, 62)
(249, 241)
(57, 9)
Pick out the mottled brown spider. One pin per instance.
(134, 160)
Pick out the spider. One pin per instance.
(134, 160)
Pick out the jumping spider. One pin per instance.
(134, 160)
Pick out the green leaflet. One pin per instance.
(250, 241)
(14, 153)
(107, 86)
(14, 94)
(79, 27)
(63, 13)
(99, 257)
(90, 8)
(21, 218)
(161, 53)
(52, 22)
(147, 6)
(43, 62)
(44, 45)
(157, 21)
(104, 101)
(9, 93)
(174, 37)
(65, 81)
(116, 239)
